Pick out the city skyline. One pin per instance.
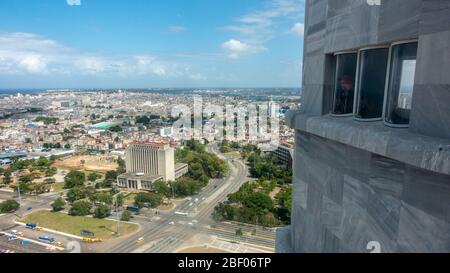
(60, 44)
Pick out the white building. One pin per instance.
(147, 163)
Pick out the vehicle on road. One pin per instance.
(133, 209)
(91, 240)
(47, 239)
(12, 238)
(172, 223)
(31, 226)
(17, 233)
(196, 200)
(181, 213)
(140, 240)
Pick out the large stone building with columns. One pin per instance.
(147, 163)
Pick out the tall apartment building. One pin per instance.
(372, 152)
(284, 153)
(147, 163)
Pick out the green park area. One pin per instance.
(102, 228)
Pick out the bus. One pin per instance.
(47, 239)
(133, 209)
(31, 226)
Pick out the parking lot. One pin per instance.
(10, 241)
(15, 246)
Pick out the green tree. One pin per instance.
(42, 162)
(58, 205)
(7, 177)
(162, 188)
(9, 206)
(110, 179)
(104, 197)
(102, 211)
(144, 120)
(120, 200)
(74, 179)
(26, 179)
(52, 171)
(151, 199)
(224, 212)
(116, 129)
(126, 216)
(111, 175)
(75, 194)
(93, 176)
(259, 202)
(24, 188)
(80, 208)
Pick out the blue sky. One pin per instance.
(156, 43)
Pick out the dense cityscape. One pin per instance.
(224, 135)
(69, 151)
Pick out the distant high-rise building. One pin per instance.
(372, 155)
(272, 110)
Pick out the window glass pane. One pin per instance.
(401, 83)
(344, 87)
(371, 84)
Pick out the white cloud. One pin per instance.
(27, 53)
(34, 64)
(263, 25)
(257, 28)
(236, 48)
(73, 2)
(177, 29)
(299, 29)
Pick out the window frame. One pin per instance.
(355, 51)
(357, 83)
(386, 89)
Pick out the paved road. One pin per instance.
(169, 232)
(166, 232)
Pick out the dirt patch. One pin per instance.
(274, 193)
(88, 163)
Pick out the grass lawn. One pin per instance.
(234, 153)
(129, 199)
(62, 222)
(57, 187)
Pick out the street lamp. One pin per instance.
(117, 216)
(173, 190)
